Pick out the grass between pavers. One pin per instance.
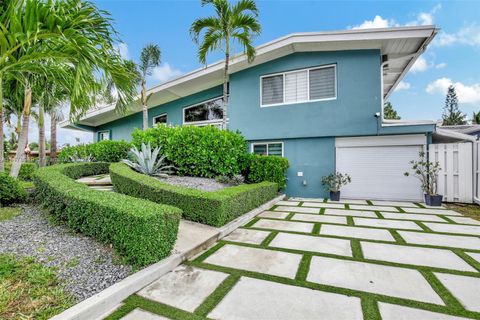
(7, 213)
(29, 290)
(214, 298)
(468, 210)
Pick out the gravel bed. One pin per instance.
(83, 265)
(205, 184)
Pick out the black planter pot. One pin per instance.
(335, 195)
(433, 200)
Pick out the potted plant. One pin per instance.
(427, 172)
(333, 182)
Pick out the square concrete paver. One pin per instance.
(319, 218)
(356, 232)
(465, 289)
(307, 199)
(272, 262)
(284, 225)
(475, 256)
(464, 220)
(353, 213)
(247, 236)
(431, 211)
(384, 223)
(349, 201)
(139, 314)
(411, 216)
(454, 228)
(390, 281)
(297, 209)
(310, 243)
(287, 203)
(374, 208)
(428, 257)
(259, 299)
(396, 312)
(184, 288)
(273, 214)
(324, 205)
(394, 203)
(442, 240)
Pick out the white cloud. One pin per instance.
(441, 65)
(468, 35)
(420, 65)
(402, 85)
(425, 18)
(465, 93)
(377, 22)
(165, 72)
(122, 49)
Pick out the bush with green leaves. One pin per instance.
(335, 181)
(10, 190)
(102, 151)
(140, 230)
(427, 172)
(27, 170)
(147, 161)
(196, 151)
(214, 208)
(258, 168)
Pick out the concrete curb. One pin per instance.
(99, 305)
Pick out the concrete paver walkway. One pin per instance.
(314, 259)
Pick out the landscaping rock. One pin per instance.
(204, 184)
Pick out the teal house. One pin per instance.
(314, 98)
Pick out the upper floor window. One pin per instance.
(104, 135)
(160, 119)
(206, 113)
(313, 84)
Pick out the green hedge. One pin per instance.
(142, 231)
(196, 151)
(257, 168)
(27, 170)
(103, 151)
(10, 190)
(213, 208)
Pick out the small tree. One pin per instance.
(427, 172)
(476, 117)
(333, 182)
(149, 59)
(451, 113)
(389, 112)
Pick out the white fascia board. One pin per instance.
(397, 123)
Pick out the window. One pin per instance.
(268, 148)
(312, 84)
(104, 135)
(205, 113)
(160, 119)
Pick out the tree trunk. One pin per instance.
(2, 120)
(53, 139)
(41, 137)
(144, 103)
(22, 141)
(225, 90)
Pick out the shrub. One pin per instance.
(27, 170)
(103, 151)
(259, 168)
(196, 151)
(213, 208)
(10, 190)
(142, 231)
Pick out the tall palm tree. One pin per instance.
(73, 34)
(232, 23)
(149, 59)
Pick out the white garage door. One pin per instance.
(377, 166)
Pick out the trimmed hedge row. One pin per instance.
(213, 208)
(258, 168)
(10, 190)
(140, 230)
(27, 170)
(106, 151)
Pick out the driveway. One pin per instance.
(313, 259)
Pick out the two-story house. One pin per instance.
(314, 98)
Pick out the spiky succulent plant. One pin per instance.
(148, 161)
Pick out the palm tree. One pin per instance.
(232, 22)
(149, 59)
(71, 34)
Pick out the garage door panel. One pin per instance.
(378, 172)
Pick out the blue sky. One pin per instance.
(454, 57)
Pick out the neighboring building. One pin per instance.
(468, 129)
(314, 98)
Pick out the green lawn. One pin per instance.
(469, 210)
(7, 213)
(29, 290)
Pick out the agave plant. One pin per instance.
(148, 161)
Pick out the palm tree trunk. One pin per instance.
(41, 137)
(225, 89)
(22, 141)
(145, 108)
(2, 120)
(53, 138)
